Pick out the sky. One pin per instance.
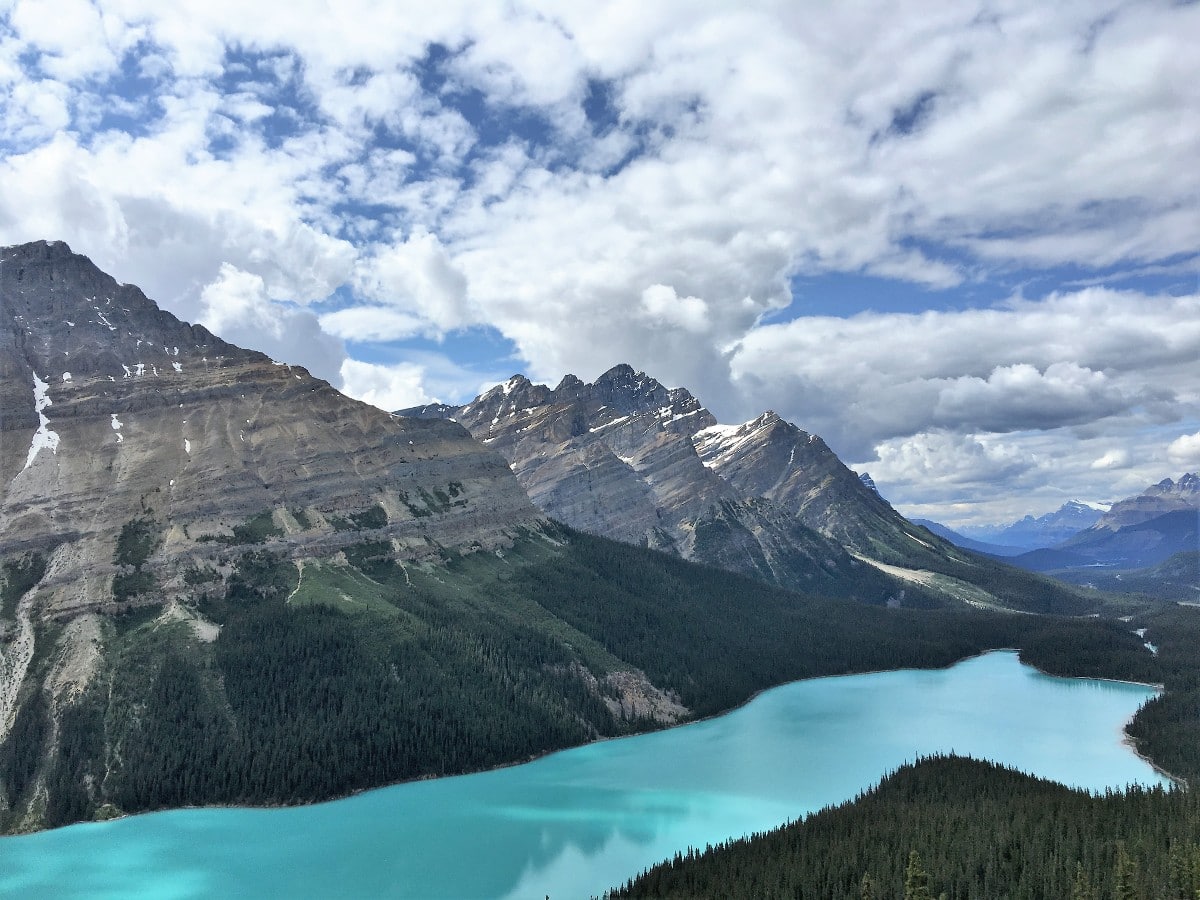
(959, 241)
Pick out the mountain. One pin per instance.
(222, 581)
(1144, 543)
(629, 459)
(1165, 497)
(961, 540)
(1137, 532)
(1047, 530)
(113, 410)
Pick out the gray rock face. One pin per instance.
(630, 459)
(1165, 497)
(111, 410)
(773, 459)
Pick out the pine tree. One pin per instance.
(916, 879)
(1081, 888)
(867, 888)
(1126, 877)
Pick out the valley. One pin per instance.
(574, 823)
(225, 583)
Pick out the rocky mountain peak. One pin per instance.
(113, 411)
(569, 386)
(67, 316)
(506, 399)
(1188, 484)
(1165, 497)
(630, 459)
(629, 391)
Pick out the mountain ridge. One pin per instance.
(147, 411)
(1032, 532)
(228, 583)
(629, 459)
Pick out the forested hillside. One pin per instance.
(326, 676)
(984, 831)
(978, 830)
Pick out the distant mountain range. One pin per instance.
(1138, 532)
(961, 540)
(1030, 532)
(1146, 531)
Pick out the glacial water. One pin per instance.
(577, 822)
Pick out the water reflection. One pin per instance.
(575, 823)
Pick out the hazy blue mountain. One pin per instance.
(961, 540)
(1047, 530)
(1138, 532)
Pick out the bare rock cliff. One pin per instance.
(112, 411)
(627, 458)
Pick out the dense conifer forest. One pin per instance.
(328, 677)
(977, 830)
(984, 831)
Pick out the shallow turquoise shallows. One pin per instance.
(578, 822)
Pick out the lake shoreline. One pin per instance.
(579, 822)
(1126, 740)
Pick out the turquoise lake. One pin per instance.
(578, 822)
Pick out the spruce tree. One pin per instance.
(1081, 887)
(1126, 877)
(916, 879)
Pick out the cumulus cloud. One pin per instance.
(642, 182)
(1067, 360)
(1113, 459)
(944, 460)
(389, 387)
(237, 308)
(1185, 450)
(662, 305)
(417, 275)
(1020, 396)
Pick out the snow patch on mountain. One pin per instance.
(717, 444)
(44, 438)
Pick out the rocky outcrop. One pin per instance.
(113, 411)
(627, 458)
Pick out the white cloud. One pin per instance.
(1185, 450)
(1068, 360)
(1020, 396)
(237, 308)
(1112, 459)
(36, 110)
(389, 387)
(944, 460)
(417, 275)
(238, 299)
(372, 323)
(741, 145)
(662, 305)
(73, 35)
